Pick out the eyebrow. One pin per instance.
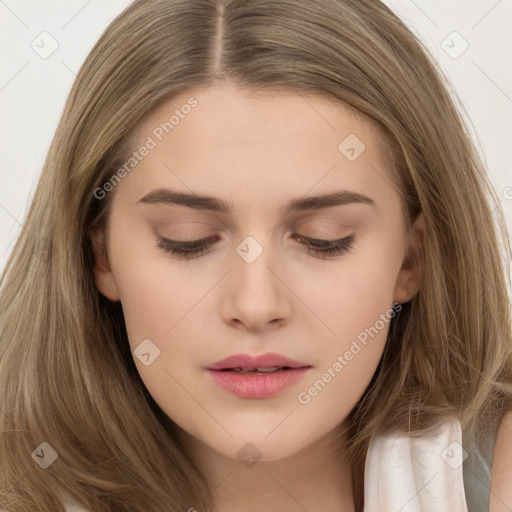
(171, 197)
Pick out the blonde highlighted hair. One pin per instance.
(67, 376)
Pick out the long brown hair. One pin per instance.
(67, 376)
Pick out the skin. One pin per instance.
(500, 498)
(259, 151)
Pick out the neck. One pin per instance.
(318, 477)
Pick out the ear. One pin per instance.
(411, 273)
(103, 275)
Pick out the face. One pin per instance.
(275, 271)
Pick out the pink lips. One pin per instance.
(255, 385)
(251, 362)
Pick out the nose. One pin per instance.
(256, 295)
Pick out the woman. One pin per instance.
(259, 270)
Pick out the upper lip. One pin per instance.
(249, 362)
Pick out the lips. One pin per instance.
(264, 363)
(255, 385)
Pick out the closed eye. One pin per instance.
(314, 246)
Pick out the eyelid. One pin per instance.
(321, 248)
(190, 243)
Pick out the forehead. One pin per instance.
(230, 115)
(258, 146)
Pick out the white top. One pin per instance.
(419, 474)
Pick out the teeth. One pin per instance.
(259, 370)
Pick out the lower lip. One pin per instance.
(257, 385)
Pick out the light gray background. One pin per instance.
(34, 85)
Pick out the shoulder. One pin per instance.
(501, 471)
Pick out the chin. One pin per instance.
(263, 449)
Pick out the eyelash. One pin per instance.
(191, 249)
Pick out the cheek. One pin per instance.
(356, 306)
(158, 302)
(356, 290)
(155, 295)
